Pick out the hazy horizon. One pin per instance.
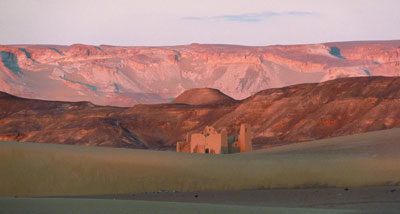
(180, 22)
(39, 44)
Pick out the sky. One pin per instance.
(177, 22)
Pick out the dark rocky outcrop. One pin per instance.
(278, 116)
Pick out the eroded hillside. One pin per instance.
(277, 116)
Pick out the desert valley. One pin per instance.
(287, 124)
(199, 107)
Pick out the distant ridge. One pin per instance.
(125, 76)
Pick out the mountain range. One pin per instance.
(124, 76)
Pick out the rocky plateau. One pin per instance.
(124, 76)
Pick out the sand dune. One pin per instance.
(371, 144)
(369, 159)
(30, 169)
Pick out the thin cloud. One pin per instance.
(247, 17)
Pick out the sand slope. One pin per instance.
(371, 144)
(29, 169)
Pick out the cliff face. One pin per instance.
(123, 76)
(277, 116)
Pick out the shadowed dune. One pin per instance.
(30, 169)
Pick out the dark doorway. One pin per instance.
(207, 151)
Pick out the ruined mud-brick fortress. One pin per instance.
(212, 142)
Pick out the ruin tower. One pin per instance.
(224, 142)
(245, 137)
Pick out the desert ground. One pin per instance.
(49, 206)
(354, 173)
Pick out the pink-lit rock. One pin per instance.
(124, 76)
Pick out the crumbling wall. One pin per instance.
(183, 146)
(210, 141)
(197, 143)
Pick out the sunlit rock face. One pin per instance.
(124, 76)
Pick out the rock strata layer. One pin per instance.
(124, 76)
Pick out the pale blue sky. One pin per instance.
(172, 22)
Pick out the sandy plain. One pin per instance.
(357, 173)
